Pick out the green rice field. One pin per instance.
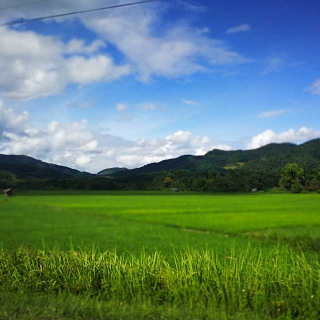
(140, 255)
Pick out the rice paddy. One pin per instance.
(159, 256)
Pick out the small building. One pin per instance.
(8, 192)
(255, 190)
(175, 190)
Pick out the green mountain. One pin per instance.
(111, 171)
(24, 166)
(271, 158)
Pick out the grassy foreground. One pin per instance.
(197, 284)
(159, 256)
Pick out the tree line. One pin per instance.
(292, 178)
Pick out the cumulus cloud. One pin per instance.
(73, 144)
(223, 147)
(269, 136)
(171, 53)
(29, 64)
(98, 68)
(32, 65)
(83, 161)
(240, 28)
(77, 145)
(147, 151)
(79, 46)
(11, 120)
(315, 88)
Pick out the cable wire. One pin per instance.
(23, 5)
(74, 13)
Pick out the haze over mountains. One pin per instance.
(272, 158)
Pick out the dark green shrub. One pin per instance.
(296, 188)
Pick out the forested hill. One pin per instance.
(272, 158)
(24, 166)
(110, 171)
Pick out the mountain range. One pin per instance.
(271, 158)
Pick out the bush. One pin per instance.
(278, 190)
(296, 188)
(314, 185)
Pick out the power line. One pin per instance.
(75, 12)
(23, 5)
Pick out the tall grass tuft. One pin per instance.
(279, 283)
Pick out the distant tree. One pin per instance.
(199, 183)
(167, 182)
(296, 188)
(314, 185)
(292, 175)
(212, 174)
(8, 180)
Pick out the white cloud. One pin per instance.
(273, 113)
(240, 28)
(269, 136)
(32, 65)
(83, 161)
(77, 145)
(11, 120)
(29, 64)
(79, 46)
(71, 144)
(315, 88)
(171, 53)
(154, 150)
(97, 68)
(179, 137)
(189, 102)
(223, 147)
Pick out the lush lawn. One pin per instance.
(243, 256)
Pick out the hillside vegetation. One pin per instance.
(24, 166)
(271, 158)
(217, 171)
(111, 171)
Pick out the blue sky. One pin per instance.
(140, 84)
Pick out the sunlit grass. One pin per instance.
(282, 282)
(159, 256)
